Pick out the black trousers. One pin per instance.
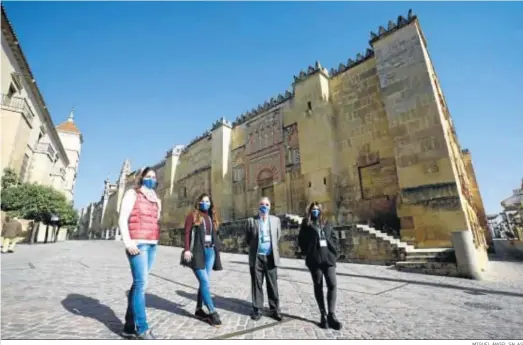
(329, 272)
(264, 268)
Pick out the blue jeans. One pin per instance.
(204, 291)
(141, 264)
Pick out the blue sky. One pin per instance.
(144, 77)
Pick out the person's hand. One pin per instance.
(187, 256)
(132, 249)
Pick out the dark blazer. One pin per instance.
(309, 243)
(197, 245)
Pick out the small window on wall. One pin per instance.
(310, 184)
(12, 91)
(309, 105)
(324, 180)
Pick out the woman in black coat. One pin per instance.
(202, 253)
(319, 242)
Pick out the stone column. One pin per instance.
(221, 178)
(466, 258)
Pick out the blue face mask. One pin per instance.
(315, 213)
(149, 183)
(204, 206)
(264, 209)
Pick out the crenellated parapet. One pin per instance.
(159, 165)
(274, 101)
(221, 122)
(311, 70)
(175, 151)
(392, 27)
(207, 134)
(360, 58)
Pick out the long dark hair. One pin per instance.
(321, 220)
(212, 212)
(139, 179)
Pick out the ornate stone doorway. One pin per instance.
(269, 193)
(265, 181)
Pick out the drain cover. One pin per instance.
(484, 306)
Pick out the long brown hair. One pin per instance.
(321, 219)
(197, 216)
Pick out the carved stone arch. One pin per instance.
(266, 177)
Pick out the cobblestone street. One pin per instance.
(77, 290)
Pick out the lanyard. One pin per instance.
(205, 226)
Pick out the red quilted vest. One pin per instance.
(143, 221)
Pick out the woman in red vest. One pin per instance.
(139, 215)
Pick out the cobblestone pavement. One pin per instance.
(77, 289)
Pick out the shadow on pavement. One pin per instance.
(159, 303)
(92, 308)
(233, 305)
(408, 281)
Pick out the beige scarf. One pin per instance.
(149, 194)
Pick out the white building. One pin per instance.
(31, 145)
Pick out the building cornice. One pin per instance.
(14, 45)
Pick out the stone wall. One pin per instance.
(356, 244)
(371, 140)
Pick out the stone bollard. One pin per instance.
(466, 258)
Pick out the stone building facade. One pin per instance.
(372, 140)
(31, 145)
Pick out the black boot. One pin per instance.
(201, 314)
(214, 319)
(333, 322)
(256, 315)
(323, 320)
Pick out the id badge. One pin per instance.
(266, 238)
(208, 238)
(323, 243)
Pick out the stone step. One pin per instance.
(385, 237)
(431, 252)
(428, 258)
(433, 268)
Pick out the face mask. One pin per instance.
(149, 183)
(264, 209)
(205, 205)
(315, 214)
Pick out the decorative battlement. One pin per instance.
(392, 27)
(263, 107)
(175, 151)
(221, 122)
(369, 53)
(158, 165)
(318, 68)
(207, 134)
(311, 70)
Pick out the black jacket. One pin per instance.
(309, 243)
(198, 259)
